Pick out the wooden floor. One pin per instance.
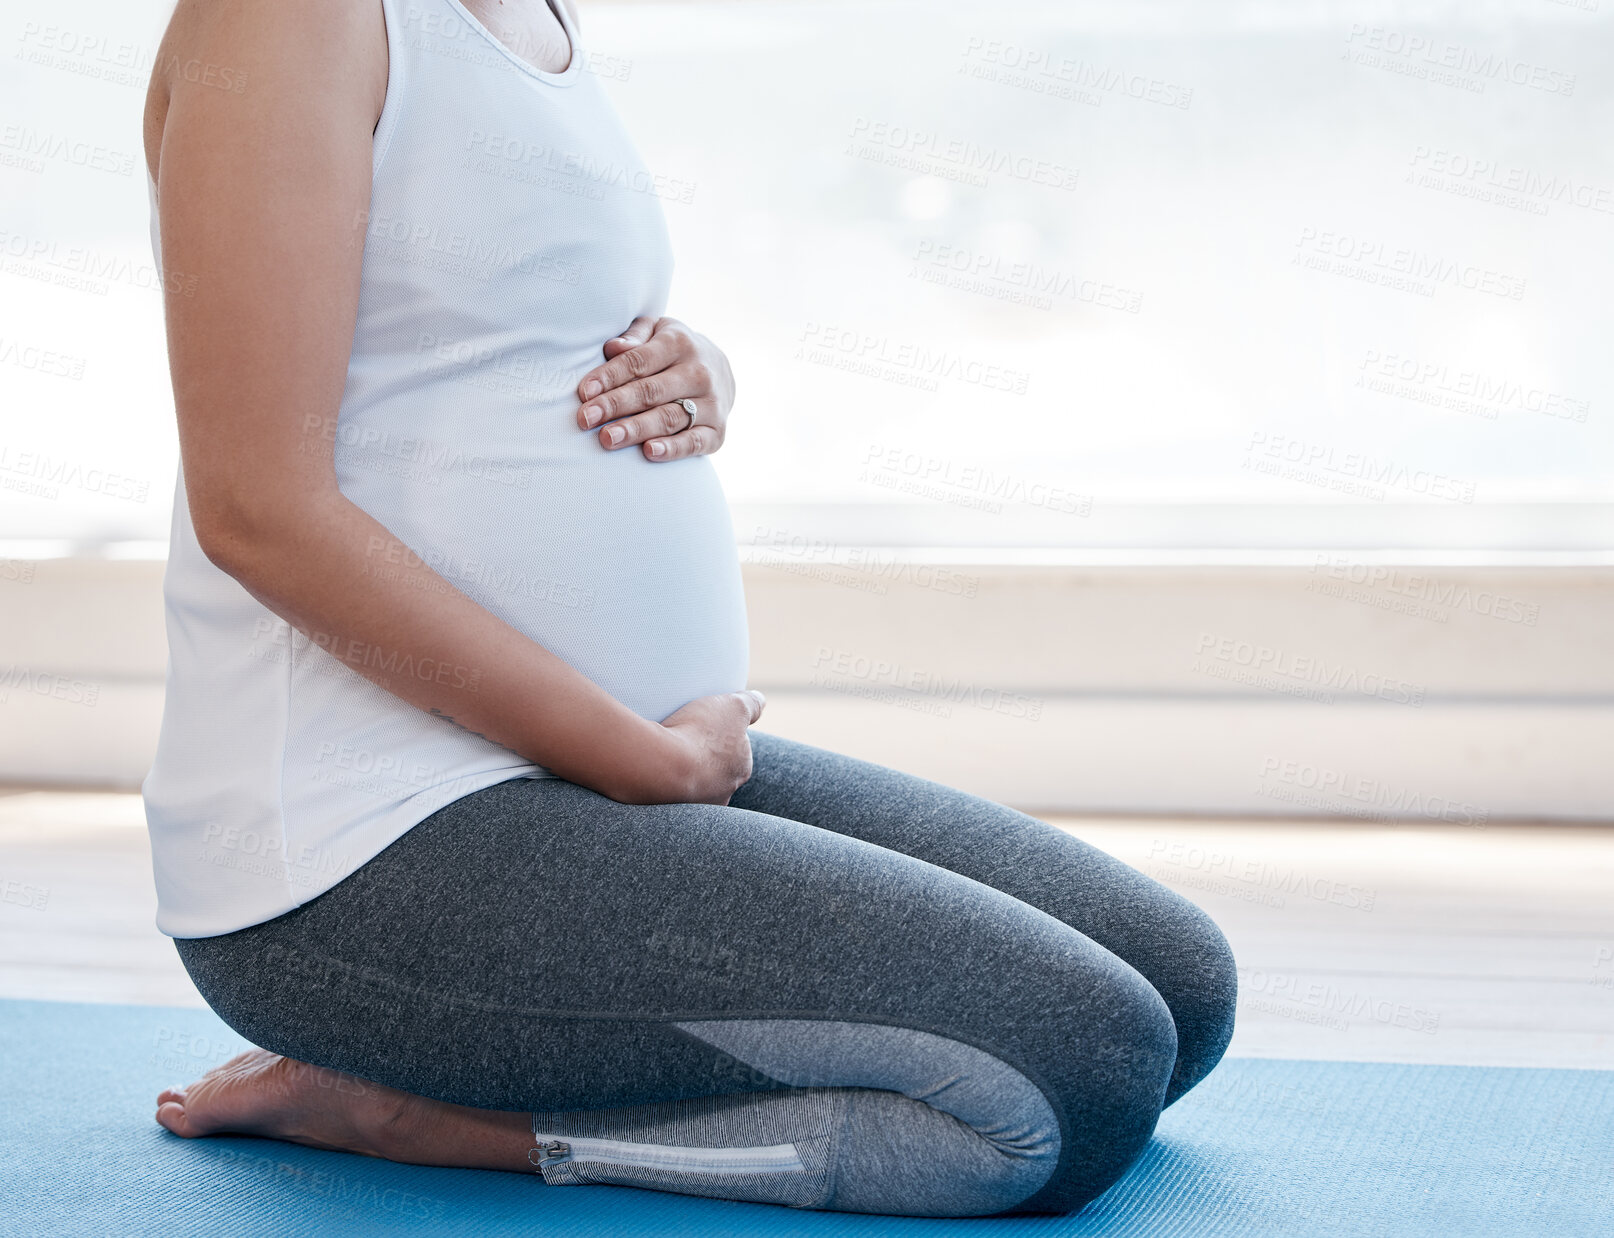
(1449, 944)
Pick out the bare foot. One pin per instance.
(265, 1094)
(262, 1093)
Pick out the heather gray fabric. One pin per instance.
(855, 1149)
(1174, 945)
(537, 947)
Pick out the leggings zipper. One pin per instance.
(779, 1158)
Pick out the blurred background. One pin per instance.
(1192, 421)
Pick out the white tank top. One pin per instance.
(512, 230)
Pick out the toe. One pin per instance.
(171, 1094)
(171, 1117)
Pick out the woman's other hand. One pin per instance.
(713, 754)
(633, 398)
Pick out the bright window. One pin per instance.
(999, 271)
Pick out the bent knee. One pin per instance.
(1203, 999)
(1132, 1061)
(1113, 1088)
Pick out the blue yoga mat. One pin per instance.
(1259, 1148)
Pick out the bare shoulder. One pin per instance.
(225, 51)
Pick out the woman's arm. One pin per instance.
(263, 198)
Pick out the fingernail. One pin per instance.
(591, 388)
(657, 447)
(591, 415)
(615, 434)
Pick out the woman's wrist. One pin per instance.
(648, 765)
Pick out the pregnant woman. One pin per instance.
(456, 811)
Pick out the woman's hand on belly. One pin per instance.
(634, 396)
(709, 757)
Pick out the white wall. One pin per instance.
(1467, 694)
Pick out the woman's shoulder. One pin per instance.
(221, 50)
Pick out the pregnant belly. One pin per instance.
(625, 569)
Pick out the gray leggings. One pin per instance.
(851, 989)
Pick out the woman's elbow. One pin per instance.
(241, 538)
(223, 546)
